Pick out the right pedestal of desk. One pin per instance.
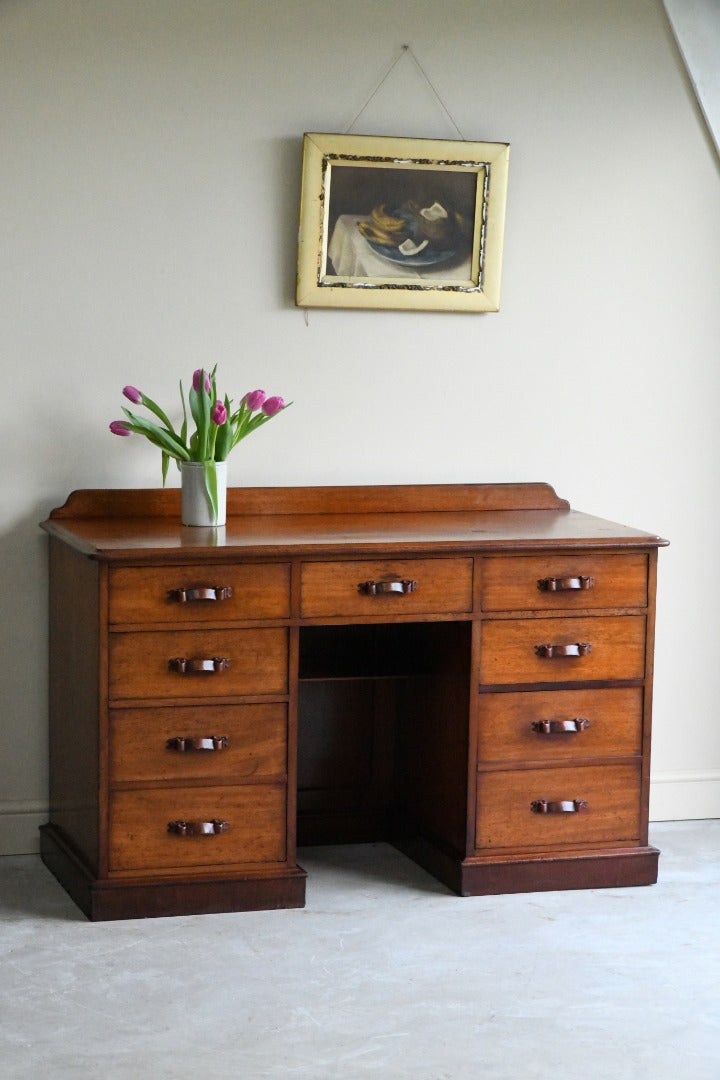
(563, 723)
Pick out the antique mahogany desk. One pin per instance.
(462, 670)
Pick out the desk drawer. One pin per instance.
(386, 588)
(196, 594)
(140, 838)
(173, 744)
(506, 817)
(552, 582)
(148, 665)
(560, 725)
(531, 650)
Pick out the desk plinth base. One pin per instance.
(599, 869)
(102, 900)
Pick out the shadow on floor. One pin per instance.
(380, 863)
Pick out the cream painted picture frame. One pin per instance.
(414, 224)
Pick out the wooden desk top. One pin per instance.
(120, 523)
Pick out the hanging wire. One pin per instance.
(404, 51)
(393, 63)
(442, 104)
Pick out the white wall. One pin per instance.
(149, 183)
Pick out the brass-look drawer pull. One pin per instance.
(196, 666)
(563, 806)
(376, 588)
(198, 828)
(565, 584)
(552, 652)
(204, 592)
(560, 727)
(204, 743)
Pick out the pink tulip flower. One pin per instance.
(119, 427)
(273, 405)
(219, 414)
(196, 381)
(133, 394)
(254, 399)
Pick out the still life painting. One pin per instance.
(401, 223)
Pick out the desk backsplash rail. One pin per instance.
(276, 501)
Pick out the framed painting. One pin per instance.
(401, 223)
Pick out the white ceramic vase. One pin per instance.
(197, 507)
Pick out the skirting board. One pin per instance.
(674, 796)
(685, 795)
(19, 825)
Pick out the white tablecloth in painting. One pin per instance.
(351, 256)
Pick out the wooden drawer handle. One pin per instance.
(196, 666)
(565, 584)
(552, 652)
(564, 806)
(376, 588)
(198, 828)
(205, 592)
(209, 742)
(560, 727)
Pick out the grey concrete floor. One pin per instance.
(383, 974)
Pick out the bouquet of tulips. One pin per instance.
(218, 429)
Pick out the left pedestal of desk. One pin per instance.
(172, 780)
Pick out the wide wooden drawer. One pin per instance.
(147, 832)
(551, 582)
(196, 594)
(238, 741)
(509, 807)
(386, 588)
(150, 665)
(531, 650)
(560, 725)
